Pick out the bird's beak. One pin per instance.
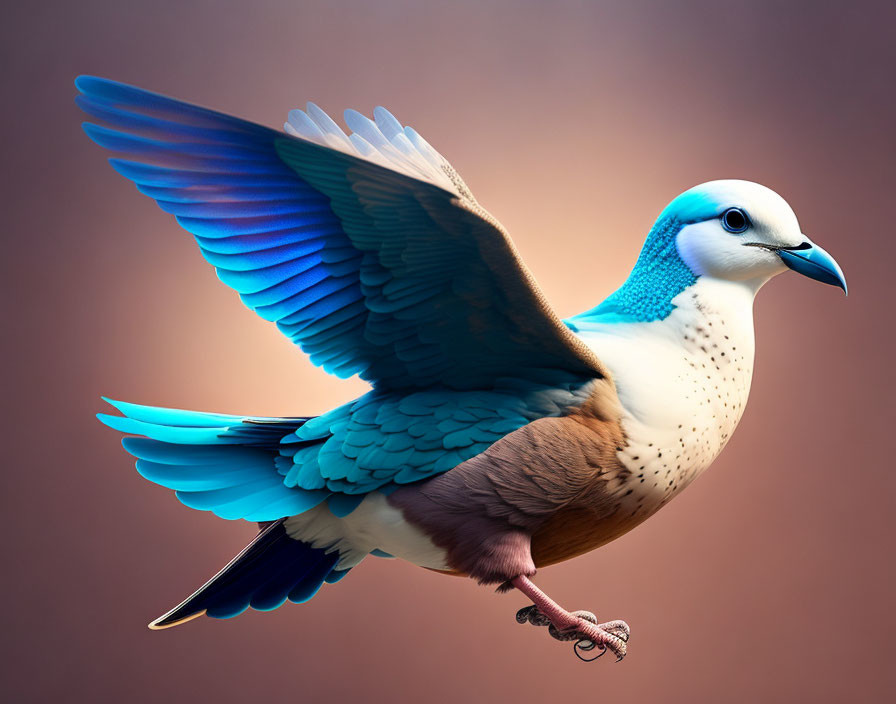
(811, 260)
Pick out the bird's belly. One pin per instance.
(574, 532)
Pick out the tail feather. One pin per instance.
(230, 465)
(272, 569)
(233, 466)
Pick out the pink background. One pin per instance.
(771, 579)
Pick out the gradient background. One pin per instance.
(771, 579)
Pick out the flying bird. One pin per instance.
(496, 438)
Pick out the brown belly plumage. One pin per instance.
(550, 491)
(573, 532)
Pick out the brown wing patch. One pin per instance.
(556, 481)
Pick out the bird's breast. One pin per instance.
(683, 384)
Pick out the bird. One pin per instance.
(496, 438)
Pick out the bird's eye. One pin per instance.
(735, 220)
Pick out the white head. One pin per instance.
(739, 230)
(730, 230)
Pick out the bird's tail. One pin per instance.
(234, 466)
(268, 571)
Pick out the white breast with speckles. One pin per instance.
(683, 383)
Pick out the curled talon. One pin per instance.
(618, 648)
(620, 635)
(531, 614)
(579, 626)
(616, 631)
(539, 619)
(522, 616)
(618, 628)
(588, 616)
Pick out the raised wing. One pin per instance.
(367, 250)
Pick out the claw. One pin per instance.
(618, 650)
(579, 626)
(614, 631)
(587, 638)
(617, 628)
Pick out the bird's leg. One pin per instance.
(581, 626)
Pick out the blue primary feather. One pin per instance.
(369, 271)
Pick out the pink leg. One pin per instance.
(580, 626)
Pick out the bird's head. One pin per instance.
(741, 231)
(729, 230)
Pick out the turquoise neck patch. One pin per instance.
(660, 274)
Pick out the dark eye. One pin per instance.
(735, 220)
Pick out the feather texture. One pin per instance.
(366, 250)
(270, 570)
(214, 462)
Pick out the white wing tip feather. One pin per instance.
(383, 141)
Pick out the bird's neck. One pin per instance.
(704, 301)
(659, 276)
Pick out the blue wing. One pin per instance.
(368, 270)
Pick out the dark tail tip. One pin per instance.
(271, 569)
(174, 618)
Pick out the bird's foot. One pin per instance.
(582, 627)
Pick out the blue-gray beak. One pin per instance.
(811, 260)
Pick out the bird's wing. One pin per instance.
(367, 250)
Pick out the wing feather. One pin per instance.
(366, 249)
